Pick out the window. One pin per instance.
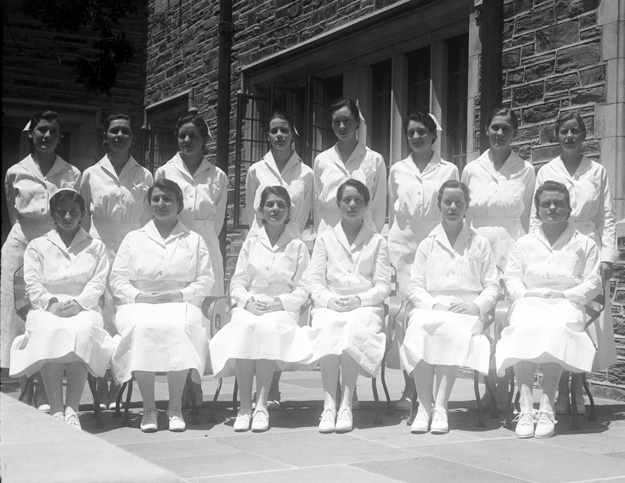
(380, 123)
(458, 74)
(419, 79)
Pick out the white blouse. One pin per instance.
(276, 271)
(205, 192)
(413, 194)
(329, 171)
(296, 177)
(147, 262)
(500, 198)
(571, 266)
(591, 201)
(466, 268)
(113, 199)
(28, 190)
(338, 268)
(51, 268)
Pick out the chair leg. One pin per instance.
(490, 382)
(478, 399)
(211, 417)
(126, 420)
(413, 407)
(235, 393)
(592, 416)
(508, 421)
(573, 392)
(118, 400)
(378, 409)
(97, 411)
(389, 406)
(194, 411)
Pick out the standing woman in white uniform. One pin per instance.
(269, 291)
(453, 285)
(348, 158)
(65, 272)
(204, 186)
(413, 186)
(592, 213)
(160, 278)
(501, 186)
(349, 277)
(115, 193)
(29, 185)
(281, 166)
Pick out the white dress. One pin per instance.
(338, 269)
(77, 272)
(592, 215)
(413, 208)
(161, 337)
(501, 201)
(205, 199)
(443, 274)
(329, 172)
(550, 330)
(117, 205)
(28, 194)
(265, 272)
(296, 177)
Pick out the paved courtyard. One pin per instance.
(293, 450)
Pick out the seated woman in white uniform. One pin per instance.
(348, 278)
(269, 291)
(65, 273)
(160, 277)
(453, 285)
(551, 274)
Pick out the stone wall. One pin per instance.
(38, 67)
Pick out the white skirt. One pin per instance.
(357, 332)
(49, 338)
(160, 338)
(545, 330)
(445, 339)
(274, 336)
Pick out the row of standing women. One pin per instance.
(500, 183)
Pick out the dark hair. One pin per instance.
(505, 112)
(170, 186)
(569, 116)
(349, 104)
(354, 183)
(285, 117)
(424, 118)
(115, 117)
(46, 116)
(453, 184)
(67, 195)
(551, 185)
(279, 191)
(197, 121)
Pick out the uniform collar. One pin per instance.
(510, 164)
(152, 232)
(31, 166)
(464, 237)
(286, 236)
(359, 151)
(364, 235)
(293, 161)
(563, 239)
(432, 165)
(584, 165)
(80, 236)
(182, 167)
(107, 166)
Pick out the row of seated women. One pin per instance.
(453, 285)
(501, 185)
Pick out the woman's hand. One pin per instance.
(605, 270)
(464, 308)
(159, 297)
(547, 294)
(440, 307)
(258, 307)
(344, 304)
(67, 309)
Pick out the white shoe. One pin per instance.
(60, 416)
(44, 408)
(546, 425)
(344, 421)
(581, 404)
(244, 418)
(260, 423)
(421, 423)
(176, 421)
(524, 425)
(149, 420)
(439, 425)
(327, 421)
(71, 418)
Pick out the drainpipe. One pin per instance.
(223, 98)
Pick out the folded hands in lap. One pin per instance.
(344, 304)
(168, 296)
(258, 307)
(459, 308)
